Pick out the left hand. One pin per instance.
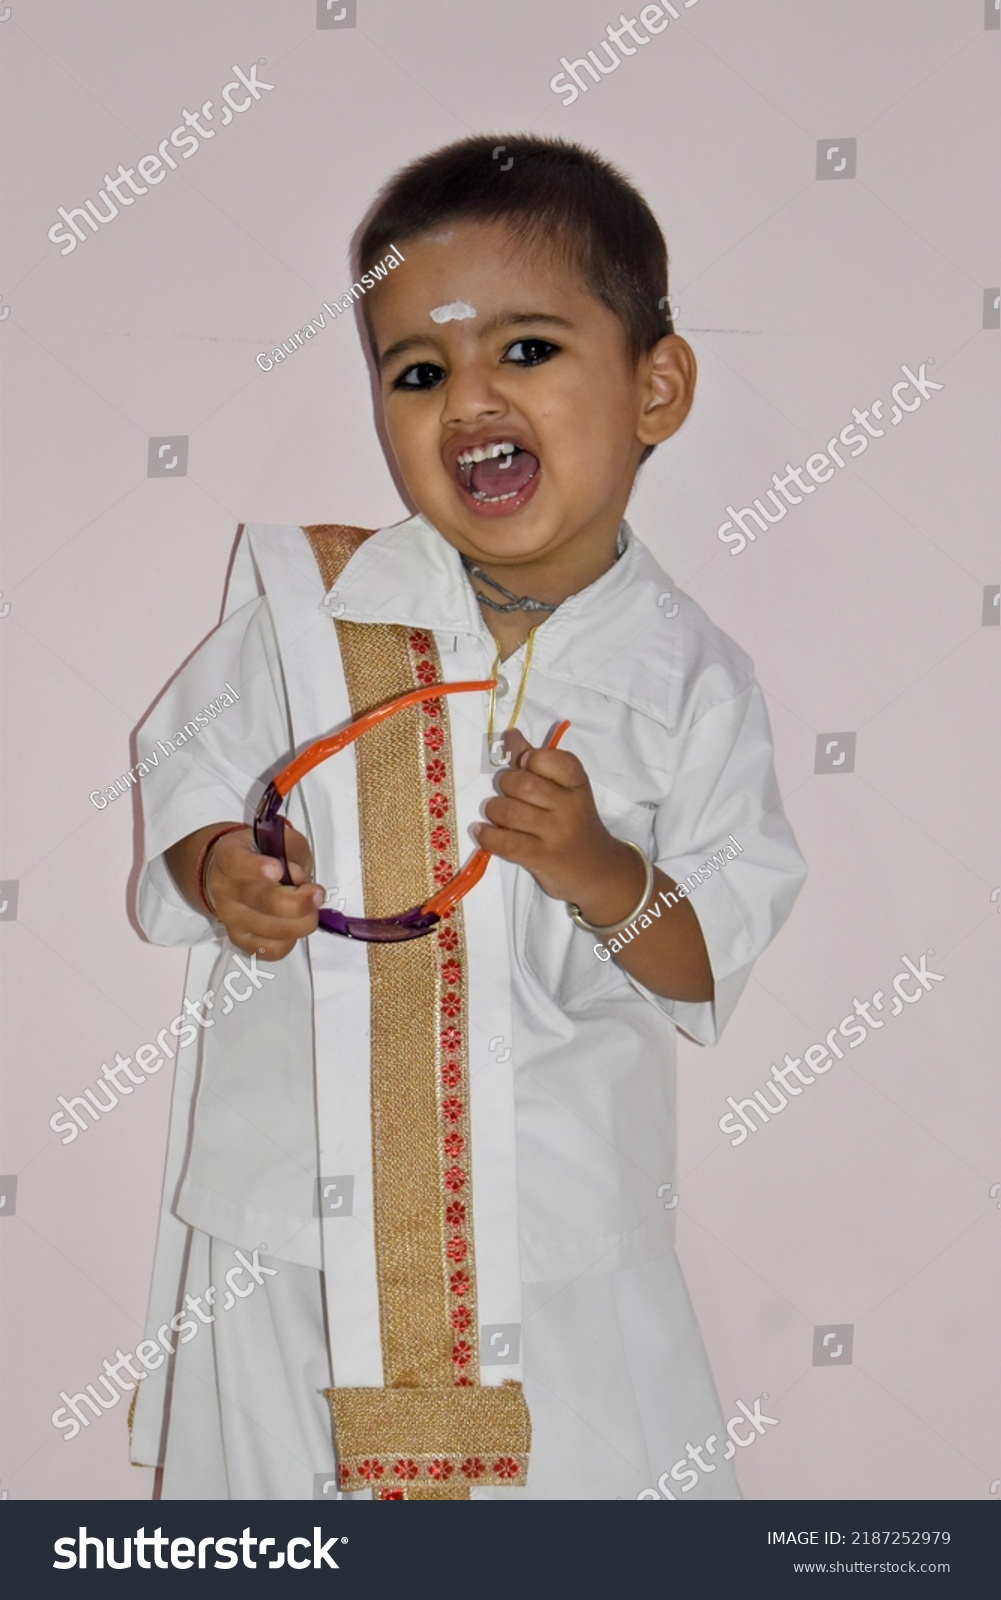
(545, 820)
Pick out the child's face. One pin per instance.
(483, 344)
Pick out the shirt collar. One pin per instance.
(608, 636)
(408, 574)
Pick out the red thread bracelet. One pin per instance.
(203, 861)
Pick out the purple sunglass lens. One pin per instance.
(269, 837)
(269, 830)
(412, 924)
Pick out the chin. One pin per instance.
(505, 541)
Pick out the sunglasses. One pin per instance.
(269, 826)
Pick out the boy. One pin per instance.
(445, 1158)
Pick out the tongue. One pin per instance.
(503, 474)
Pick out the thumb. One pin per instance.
(516, 745)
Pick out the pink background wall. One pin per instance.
(868, 1201)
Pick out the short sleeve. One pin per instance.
(217, 732)
(723, 829)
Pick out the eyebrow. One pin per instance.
(504, 319)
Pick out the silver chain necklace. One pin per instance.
(515, 602)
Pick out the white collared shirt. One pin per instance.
(672, 730)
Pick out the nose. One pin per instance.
(471, 395)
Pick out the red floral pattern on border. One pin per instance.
(455, 1140)
(428, 1471)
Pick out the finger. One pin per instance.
(298, 876)
(559, 766)
(298, 926)
(260, 895)
(279, 903)
(253, 879)
(509, 845)
(530, 788)
(234, 863)
(237, 900)
(264, 949)
(515, 744)
(515, 815)
(237, 853)
(253, 929)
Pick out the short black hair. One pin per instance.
(553, 195)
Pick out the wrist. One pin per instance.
(618, 890)
(204, 864)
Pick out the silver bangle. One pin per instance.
(573, 911)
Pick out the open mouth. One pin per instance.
(496, 474)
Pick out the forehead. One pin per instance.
(481, 264)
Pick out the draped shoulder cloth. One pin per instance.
(433, 1431)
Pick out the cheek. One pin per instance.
(586, 425)
(405, 426)
(579, 439)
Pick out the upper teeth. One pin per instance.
(486, 453)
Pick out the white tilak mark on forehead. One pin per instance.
(457, 311)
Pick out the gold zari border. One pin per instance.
(433, 1422)
(424, 1437)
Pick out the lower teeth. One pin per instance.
(494, 499)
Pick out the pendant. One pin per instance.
(494, 756)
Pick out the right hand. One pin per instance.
(259, 913)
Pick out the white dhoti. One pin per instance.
(614, 1374)
(537, 1079)
(247, 1417)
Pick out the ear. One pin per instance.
(666, 377)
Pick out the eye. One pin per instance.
(422, 375)
(535, 352)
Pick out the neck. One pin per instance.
(510, 602)
(556, 573)
(512, 630)
(552, 579)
